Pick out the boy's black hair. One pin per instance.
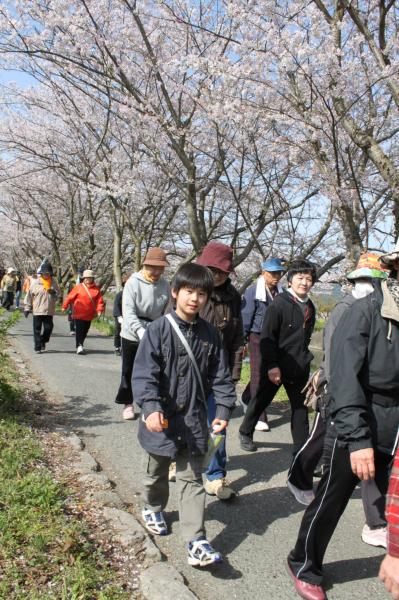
(301, 266)
(194, 276)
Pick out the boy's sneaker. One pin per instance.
(154, 521)
(302, 496)
(247, 443)
(219, 488)
(375, 537)
(80, 350)
(71, 333)
(117, 351)
(172, 472)
(201, 554)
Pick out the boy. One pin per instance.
(174, 409)
(285, 356)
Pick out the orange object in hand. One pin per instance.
(165, 423)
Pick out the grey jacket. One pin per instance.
(164, 380)
(142, 302)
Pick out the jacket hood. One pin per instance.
(142, 279)
(389, 308)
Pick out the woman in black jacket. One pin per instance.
(285, 355)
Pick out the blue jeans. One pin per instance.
(217, 467)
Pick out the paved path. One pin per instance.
(254, 532)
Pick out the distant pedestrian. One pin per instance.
(179, 362)
(9, 287)
(285, 356)
(87, 303)
(118, 316)
(18, 290)
(41, 300)
(144, 299)
(69, 287)
(255, 302)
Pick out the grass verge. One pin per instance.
(105, 325)
(46, 552)
(281, 395)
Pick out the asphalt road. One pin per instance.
(254, 532)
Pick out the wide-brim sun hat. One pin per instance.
(155, 257)
(88, 273)
(390, 257)
(217, 255)
(369, 266)
(272, 264)
(11, 270)
(45, 268)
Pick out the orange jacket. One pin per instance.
(85, 307)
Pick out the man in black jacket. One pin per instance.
(364, 386)
(285, 356)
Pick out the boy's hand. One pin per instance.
(154, 422)
(218, 425)
(274, 375)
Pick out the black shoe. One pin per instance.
(247, 443)
(117, 351)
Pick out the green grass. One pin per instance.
(105, 325)
(319, 325)
(245, 376)
(45, 552)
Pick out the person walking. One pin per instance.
(179, 363)
(300, 476)
(41, 300)
(255, 301)
(18, 289)
(118, 318)
(364, 407)
(285, 356)
(144, 299)
(223, 310)
(9, 287)
(87, 303)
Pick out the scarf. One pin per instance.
(362, 289)
(262, 290)
(46, 283)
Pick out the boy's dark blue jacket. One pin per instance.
(164, 380)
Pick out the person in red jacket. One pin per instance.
(389, 571)
(87, 302)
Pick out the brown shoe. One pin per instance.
(219, 488)
(309, 591)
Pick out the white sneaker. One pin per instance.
(375, 537)
(302, 496)
(71, 333)
(80, 350)
(262, 426)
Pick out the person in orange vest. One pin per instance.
(87, 303)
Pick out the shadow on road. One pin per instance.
(355, 569)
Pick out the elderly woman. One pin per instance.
(87, 302)
(144, 299)
(41, 299)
